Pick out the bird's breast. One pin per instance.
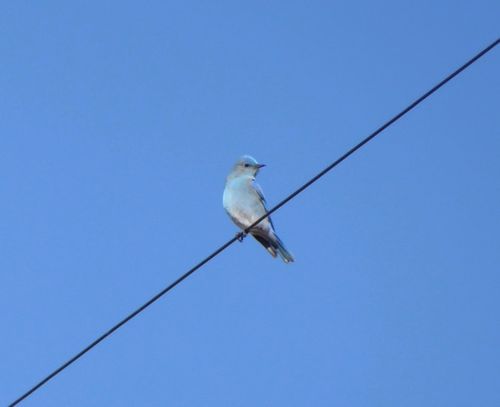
(243, 204)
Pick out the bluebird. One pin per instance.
(244, 202)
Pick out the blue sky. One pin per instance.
(119, 122)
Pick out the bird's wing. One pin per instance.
(262, 199)
(258, 189)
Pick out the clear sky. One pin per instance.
(119, 123)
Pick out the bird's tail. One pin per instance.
(274, 245)
(282, 251)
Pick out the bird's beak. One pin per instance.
(260, 165)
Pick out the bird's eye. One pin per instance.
(247, 165)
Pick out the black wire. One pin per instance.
(239, 236)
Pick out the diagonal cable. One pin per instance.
(275, 208)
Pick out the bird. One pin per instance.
(244, 202)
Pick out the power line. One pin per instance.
(275, 208)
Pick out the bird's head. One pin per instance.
(247, 165)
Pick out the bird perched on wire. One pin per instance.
(244, 201)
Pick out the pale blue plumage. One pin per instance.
(244, 201)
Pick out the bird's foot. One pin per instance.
(241, 236)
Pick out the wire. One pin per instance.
(242, 234)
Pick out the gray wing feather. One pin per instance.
(260, 193)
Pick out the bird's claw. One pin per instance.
(240, 236)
